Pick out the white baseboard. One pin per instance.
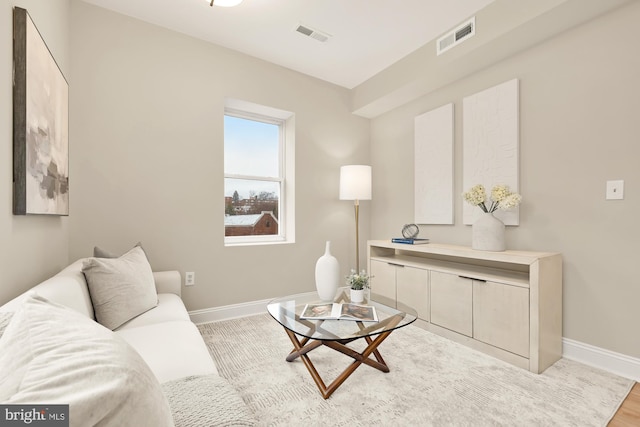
(232, 311)
(617, 363)
(228, 311)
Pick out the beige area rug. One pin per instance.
(433, 382)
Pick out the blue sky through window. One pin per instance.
(250, 148)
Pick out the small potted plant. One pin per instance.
(357, 283)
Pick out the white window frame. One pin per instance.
(285, 120)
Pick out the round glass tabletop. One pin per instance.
(356, 323)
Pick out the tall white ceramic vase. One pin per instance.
(488, 234)
(327, 275)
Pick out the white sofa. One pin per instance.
(164, 336)
(168, 342)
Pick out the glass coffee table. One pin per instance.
(336, 334)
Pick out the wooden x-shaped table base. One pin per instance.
(301, 348)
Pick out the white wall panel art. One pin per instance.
(490, 145)
(434, 166)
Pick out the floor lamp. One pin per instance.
(355, 184)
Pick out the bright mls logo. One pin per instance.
(34, 415)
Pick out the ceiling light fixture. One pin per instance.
(225, 3)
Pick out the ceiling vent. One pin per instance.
(462, 32)
(314, 34)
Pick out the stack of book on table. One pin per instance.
(409, 241)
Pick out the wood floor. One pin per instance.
(629, 413)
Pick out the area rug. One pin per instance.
(433, 382)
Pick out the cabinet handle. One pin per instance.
(394, 264)
(473, 278)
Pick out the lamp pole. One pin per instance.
(356, 207)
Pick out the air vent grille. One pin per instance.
(304, 30)
(313, 33)
(465, 31)
(462, 32)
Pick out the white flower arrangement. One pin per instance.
(501, 198)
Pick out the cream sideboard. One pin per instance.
(506, 304)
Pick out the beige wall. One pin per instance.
(147, 118)
(31, 247)
(580, 124)
(146, 162)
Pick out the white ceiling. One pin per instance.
(367, 35)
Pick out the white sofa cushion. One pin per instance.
(171, 349)
(121, 288)
(168, 282)
(68, 288)
(5, 318)
(170, 308)
(53, 355)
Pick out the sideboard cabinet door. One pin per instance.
(412, 288)
(501, 316)
(383, 283)
(451, 302)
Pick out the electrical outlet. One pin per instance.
(615, 190)
(189, 278)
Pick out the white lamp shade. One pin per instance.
(355, 182)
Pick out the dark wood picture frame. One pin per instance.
(40, 124)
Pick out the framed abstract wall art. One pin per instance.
(40, 124)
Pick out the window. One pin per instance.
(258, 174)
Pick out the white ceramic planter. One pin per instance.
(357, 295)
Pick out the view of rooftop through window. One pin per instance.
(252, 184)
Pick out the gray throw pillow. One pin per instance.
(103, 253)
(99, 252)
(51, 354)
(120, 288)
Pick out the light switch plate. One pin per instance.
(615, 190)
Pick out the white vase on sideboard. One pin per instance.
(327, 275)
(488, 234)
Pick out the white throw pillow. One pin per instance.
(51, 354)
(120, 288)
